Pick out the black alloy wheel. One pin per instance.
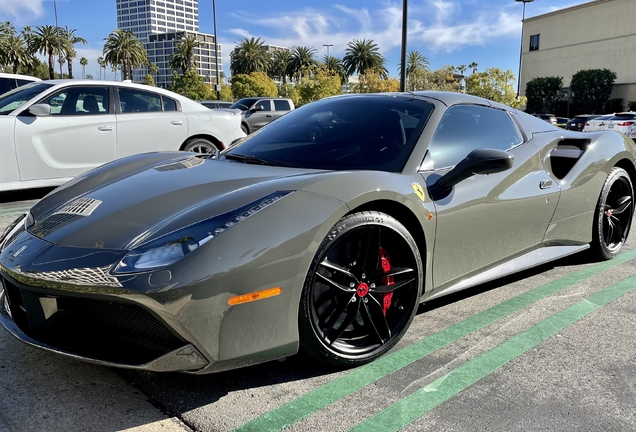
(614, 213)
(362, 291)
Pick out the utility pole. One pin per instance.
(59, 44)
(523, 18)
(216, 54)
(327, 45)
(403, 54)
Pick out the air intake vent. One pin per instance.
(80, 207)
(182, 164)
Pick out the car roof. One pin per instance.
(18, 76)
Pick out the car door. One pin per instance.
(148, 121)
(80, 134)
(259, 115)
(281, 107)
(486, 218)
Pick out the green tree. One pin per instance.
(442, 79)
(415, 63)
(334, 64)
(592, 89)
(290, 91)
(122, 48)
(148, 80)
(68, 42)
(83, 62)
(496, 85)
(36, 68)
(253, 85)
(226, 92)
(303, 60)
(184, 57)
(374, 81)
(14, 52)
(44, 41)
(543, 93)
(102, 65)
(361, 55)
(321, 83)
(281, 65)
(191, 85)
(249, 57)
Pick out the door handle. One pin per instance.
(176, 122)
(268, 115)
(105, 128)
(545, 184)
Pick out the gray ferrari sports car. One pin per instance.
(321, 232)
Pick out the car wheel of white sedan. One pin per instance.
(199, 145)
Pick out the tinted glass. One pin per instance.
(465, 128)
(22, 82)
(168, 104)
(623, 117)
(244, 104)
(138, 101)
(16, 97)
(264, 104)
(78, 101)
(5, 85)
(281, 105)
(345, 133)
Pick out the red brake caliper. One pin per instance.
(386, 266)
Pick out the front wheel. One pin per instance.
(613, 215)
(362, 290)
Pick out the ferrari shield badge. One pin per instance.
(419, 190)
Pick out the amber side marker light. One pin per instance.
(258, 295)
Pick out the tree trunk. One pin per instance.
(15, 67)
(69, 61)
(51, 66)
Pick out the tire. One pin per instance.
(362, 290)
(244, 129)
(199, 145)
(315, 133)
(613, 215)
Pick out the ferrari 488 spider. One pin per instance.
(321, 232)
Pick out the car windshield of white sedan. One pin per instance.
(17, 97)
(367, 132)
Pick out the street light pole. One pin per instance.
(403, 53)
(523, 18)
(216, 53)
(59, 46)
(327, 45)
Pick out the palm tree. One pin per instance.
(83, 62)
(415, 62)
(102, 65)
(361, 55)
(304, 58)
(249, 57)
(281, 65)
(153, 69)
(69, 39)
(184, 57)
(14, 52)
(473, 66)
(334, 64)
(123, 48)
(44, 40)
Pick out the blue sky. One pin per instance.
(447, 32)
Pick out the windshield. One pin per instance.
(244, 104)
(371, 132)
(17, 97)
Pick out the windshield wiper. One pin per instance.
(249, 159)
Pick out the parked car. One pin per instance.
(597, 124)
(550, 118)
(54, 130)
(578, 122)
(216, 104)
(10, 81)
(562, 121)
(168, 261)
(624, 122)
(257, 112)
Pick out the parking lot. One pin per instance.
(549, 349)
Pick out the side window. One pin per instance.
(138, 101)
(5, 85)
(79, 101)
(465, 128)
(22, 82)
(168, 104)
(265, 104)
(281, 105)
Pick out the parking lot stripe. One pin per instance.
(342, 387)
(414, 406)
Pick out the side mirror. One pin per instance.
(479, 161)
(257, 108)
(40, 110)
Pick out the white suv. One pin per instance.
(624, 122)
(11, 81)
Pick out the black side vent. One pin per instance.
(566, 154)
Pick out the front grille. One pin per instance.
(100, 329)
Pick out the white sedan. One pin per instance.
(51, 131)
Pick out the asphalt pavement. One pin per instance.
(553, 348)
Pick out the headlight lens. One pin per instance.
(171, 247)
(16, 227)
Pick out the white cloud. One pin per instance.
(20, 11)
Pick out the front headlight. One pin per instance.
(171, 247)
(22, 223)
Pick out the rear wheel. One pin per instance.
(362, 290)
(613, 215)
(244, 129)
(199, 145)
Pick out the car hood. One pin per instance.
(147, 196)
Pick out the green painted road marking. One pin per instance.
(315, 400)
(424, 400)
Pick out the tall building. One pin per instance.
(161, 24)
